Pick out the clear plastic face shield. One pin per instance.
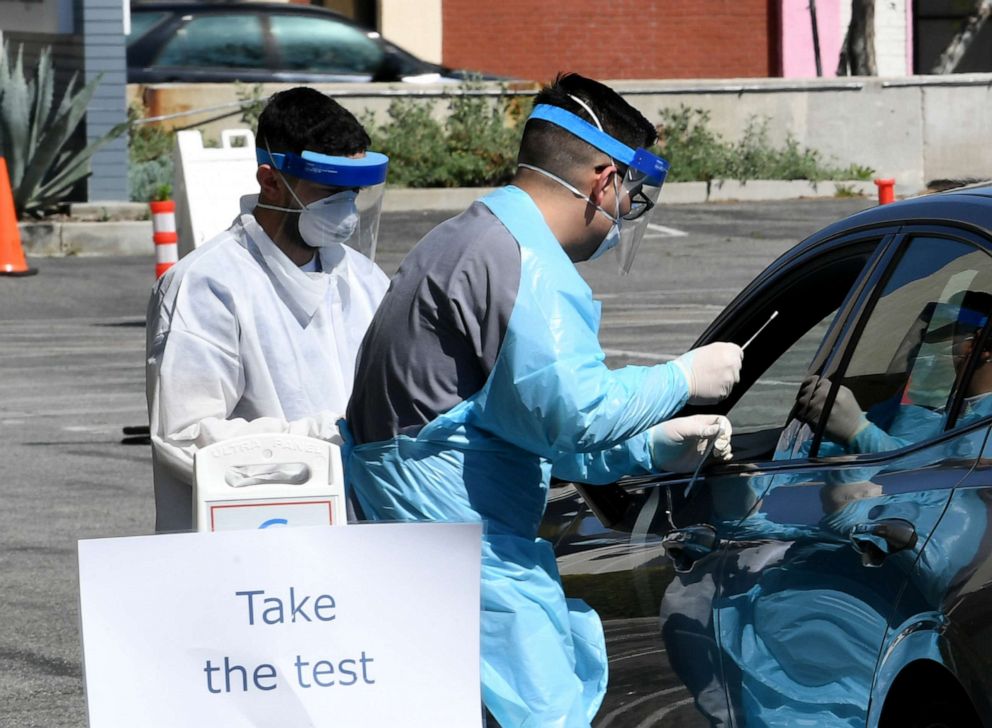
(349, 213)
(637, 193)
(944, 346)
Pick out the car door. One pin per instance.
(799, 615)
(770, 534)
(672, 677)
(935, 665)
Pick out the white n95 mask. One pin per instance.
(329, 221)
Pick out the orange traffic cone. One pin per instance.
(12, 262)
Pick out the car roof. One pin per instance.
(201, 7)
(964, 207)
(969, 207)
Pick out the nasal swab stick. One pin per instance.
(711, 443)
(755, 335)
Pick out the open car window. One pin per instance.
(807, 302)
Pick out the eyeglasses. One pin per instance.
(639, 204)
(961, 346)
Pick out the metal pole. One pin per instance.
(816, 38)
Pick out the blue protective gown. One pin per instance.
(549, 405)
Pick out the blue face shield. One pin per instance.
(350, 213)
(641, 186)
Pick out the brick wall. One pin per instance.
(619, 39)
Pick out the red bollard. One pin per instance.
(164, 235)
(886, 191)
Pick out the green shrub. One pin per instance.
(414, 142)
(149, 174)
(252, 103)
(150, 180)
(483, 138)
(475, 146)
(696, 153)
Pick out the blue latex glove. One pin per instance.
(678, 445)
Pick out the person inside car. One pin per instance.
(944, 342)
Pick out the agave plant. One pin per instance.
(34, 133)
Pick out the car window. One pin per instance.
(229, 40)
(913, 352)
(767, 402)
(777, 361)
(305, 43)
(141, 23)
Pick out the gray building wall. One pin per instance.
(104, 52)
(67, 54)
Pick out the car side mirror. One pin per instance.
(389, 69)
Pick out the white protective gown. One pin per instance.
(241, 341)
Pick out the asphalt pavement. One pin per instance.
(71, 377)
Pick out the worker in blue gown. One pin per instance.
(943, 347)
(481, 376)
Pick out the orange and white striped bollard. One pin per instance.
(164, 235)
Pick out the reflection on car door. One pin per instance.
(768, 615)
(621, 569)
(798, 614)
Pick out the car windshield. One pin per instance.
(141, 23)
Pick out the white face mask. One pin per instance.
(613, 237)
(329, 221)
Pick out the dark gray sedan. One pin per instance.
(837, 571)
(265, 42)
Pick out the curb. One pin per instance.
(53, 239)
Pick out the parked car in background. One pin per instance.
(837, 572)
(265, 42)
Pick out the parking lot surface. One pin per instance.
(71, 377)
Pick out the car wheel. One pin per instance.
(941, 714)
(925, 695)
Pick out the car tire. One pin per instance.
(927, 696)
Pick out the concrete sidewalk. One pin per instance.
(115, 228)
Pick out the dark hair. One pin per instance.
(301, 118)
(549, 146)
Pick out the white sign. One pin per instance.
(209, 182)
(370, 625)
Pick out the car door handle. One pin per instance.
(685, 546)
(876, 540)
